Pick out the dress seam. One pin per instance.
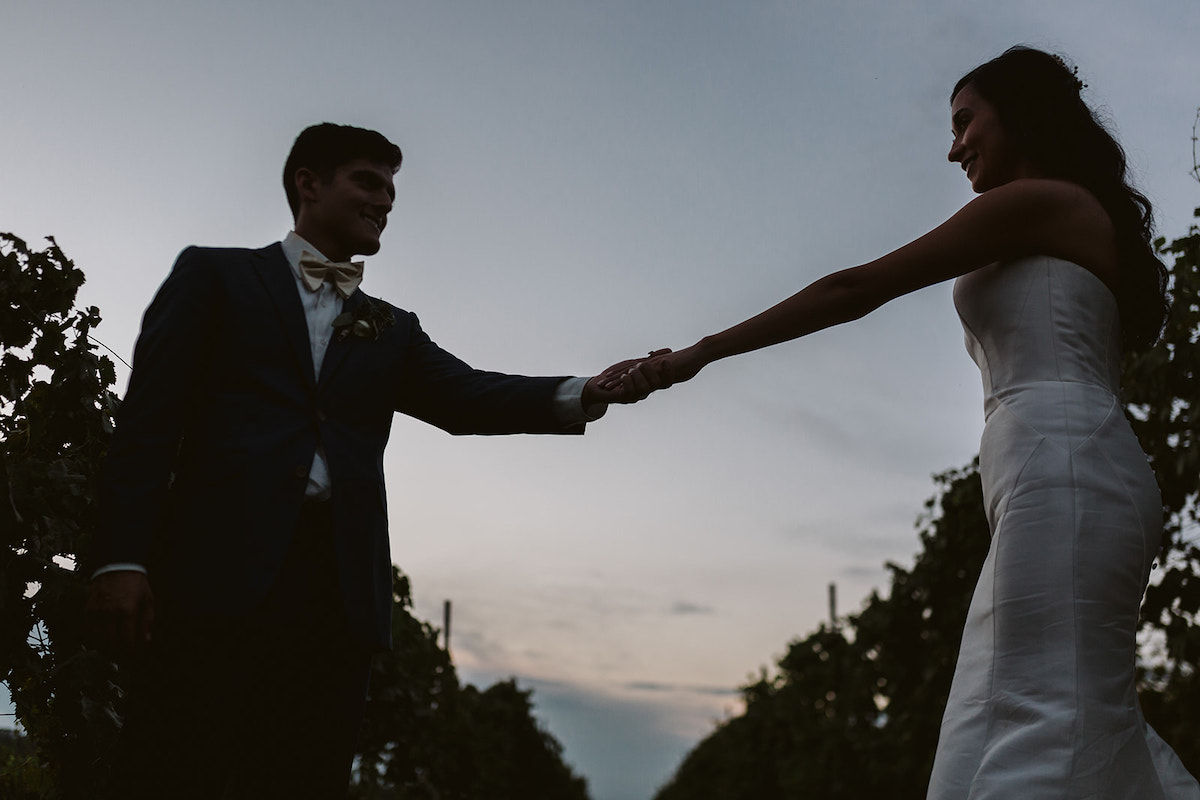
(1076, 731)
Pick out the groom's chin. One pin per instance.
(367, 247)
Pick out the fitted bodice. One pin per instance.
(1037, 321)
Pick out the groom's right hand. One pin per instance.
(120, 609)
(632, 380)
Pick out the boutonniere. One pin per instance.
(368, 321)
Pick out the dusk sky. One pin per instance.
(584, 182)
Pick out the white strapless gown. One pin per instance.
(1043, 704)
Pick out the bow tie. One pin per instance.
(345, 276)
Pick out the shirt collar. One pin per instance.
(295, 246)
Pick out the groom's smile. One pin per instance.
(377, 222)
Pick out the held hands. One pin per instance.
(635, 379)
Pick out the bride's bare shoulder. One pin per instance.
(1059, 218)
(1047, 194)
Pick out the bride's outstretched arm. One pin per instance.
(1020, 218)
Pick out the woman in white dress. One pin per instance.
(1056, 274)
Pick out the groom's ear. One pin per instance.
(307, 183)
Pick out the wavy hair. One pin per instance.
(1037, 98)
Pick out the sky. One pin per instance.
(584, 182)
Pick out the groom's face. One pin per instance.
(345, 215)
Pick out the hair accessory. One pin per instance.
(1079, 85)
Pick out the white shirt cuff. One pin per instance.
(568, 403)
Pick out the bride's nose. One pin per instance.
(956, 150)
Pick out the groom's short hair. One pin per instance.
(325, 147)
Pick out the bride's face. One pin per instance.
(981, 145)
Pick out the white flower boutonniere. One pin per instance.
(368, 321)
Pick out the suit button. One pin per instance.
(320, 416)
(301, 472)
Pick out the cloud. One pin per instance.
(685, 607)
(862, 572)
(652, 686)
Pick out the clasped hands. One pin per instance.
(635, 379)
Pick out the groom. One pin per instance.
(243, 517)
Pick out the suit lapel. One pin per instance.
(277, 276)
(339, 346)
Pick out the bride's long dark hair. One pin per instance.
(1038, 100)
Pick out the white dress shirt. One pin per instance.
(321, 308)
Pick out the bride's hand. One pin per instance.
(611, 386)
(611, 377)
(662, 369)
(675, 366)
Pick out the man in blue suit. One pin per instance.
(243, 515)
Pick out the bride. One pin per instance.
(1056, 275)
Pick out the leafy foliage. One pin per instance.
(1162, 393)
(55, 419)
(425, 735)
(854, 709)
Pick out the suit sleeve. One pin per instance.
(441, 389)
(168, 361)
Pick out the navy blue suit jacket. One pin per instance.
(208, 466)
